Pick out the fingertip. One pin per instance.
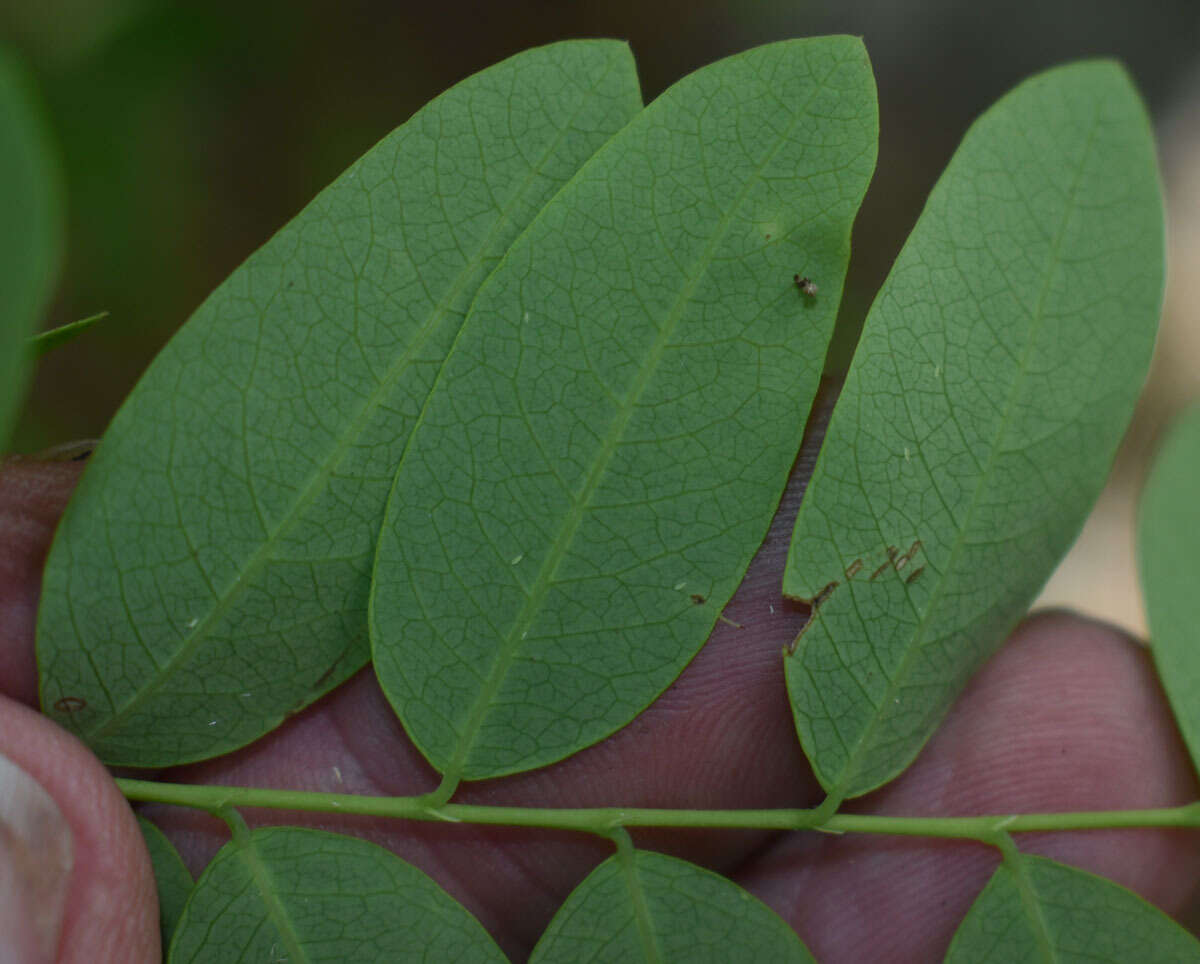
(77, 844)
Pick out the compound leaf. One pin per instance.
(295, 895)
(1034, 909)
(643, 906)
(31, 235)
(996, 373)
(1168, 525)
(211, 574)
(606, 446)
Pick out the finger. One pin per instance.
(32, 497)
(75, 878)
(686, 753)
(1068, 716)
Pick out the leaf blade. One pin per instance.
(291, 894)
(172, 879)
(645, 906)
(536, 518)
(31, 241)
(211, 573)
(1168, 519)
(1037, 909)
(1034, 274)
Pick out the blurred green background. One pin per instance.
(190, 132)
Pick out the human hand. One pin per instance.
(1068, 716)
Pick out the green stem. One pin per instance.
(604, 820)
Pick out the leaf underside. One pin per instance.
(610, 438)
(30, 237)
(289, 894)
(1034, 909)
(643, 906)
(996, 373)
(172, 879)
(1168, 524)
(212, 571)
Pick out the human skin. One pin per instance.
(1067, 716)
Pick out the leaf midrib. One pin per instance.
(640, 908)
(848, 769)
(268, 893)
(261, 556)
(1031, 903)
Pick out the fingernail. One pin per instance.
(36, 857)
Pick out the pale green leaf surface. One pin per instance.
(305, 896)
(45, 342)
(1168, 525)
(609, 439)
(30, 232)
(996, 373)
(1037, 910)
(172, 879)
(211, 574)
(644, 906)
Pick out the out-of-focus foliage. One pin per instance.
(194, 130)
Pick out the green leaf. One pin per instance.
(47, 341)
(996, 373)
(612, 434)
(31, 234)
(172, 877)
(1168, 523)
(287, 894)
(642, 906)
(1034, 909)
(211, 574)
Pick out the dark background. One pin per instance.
(190, 132)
